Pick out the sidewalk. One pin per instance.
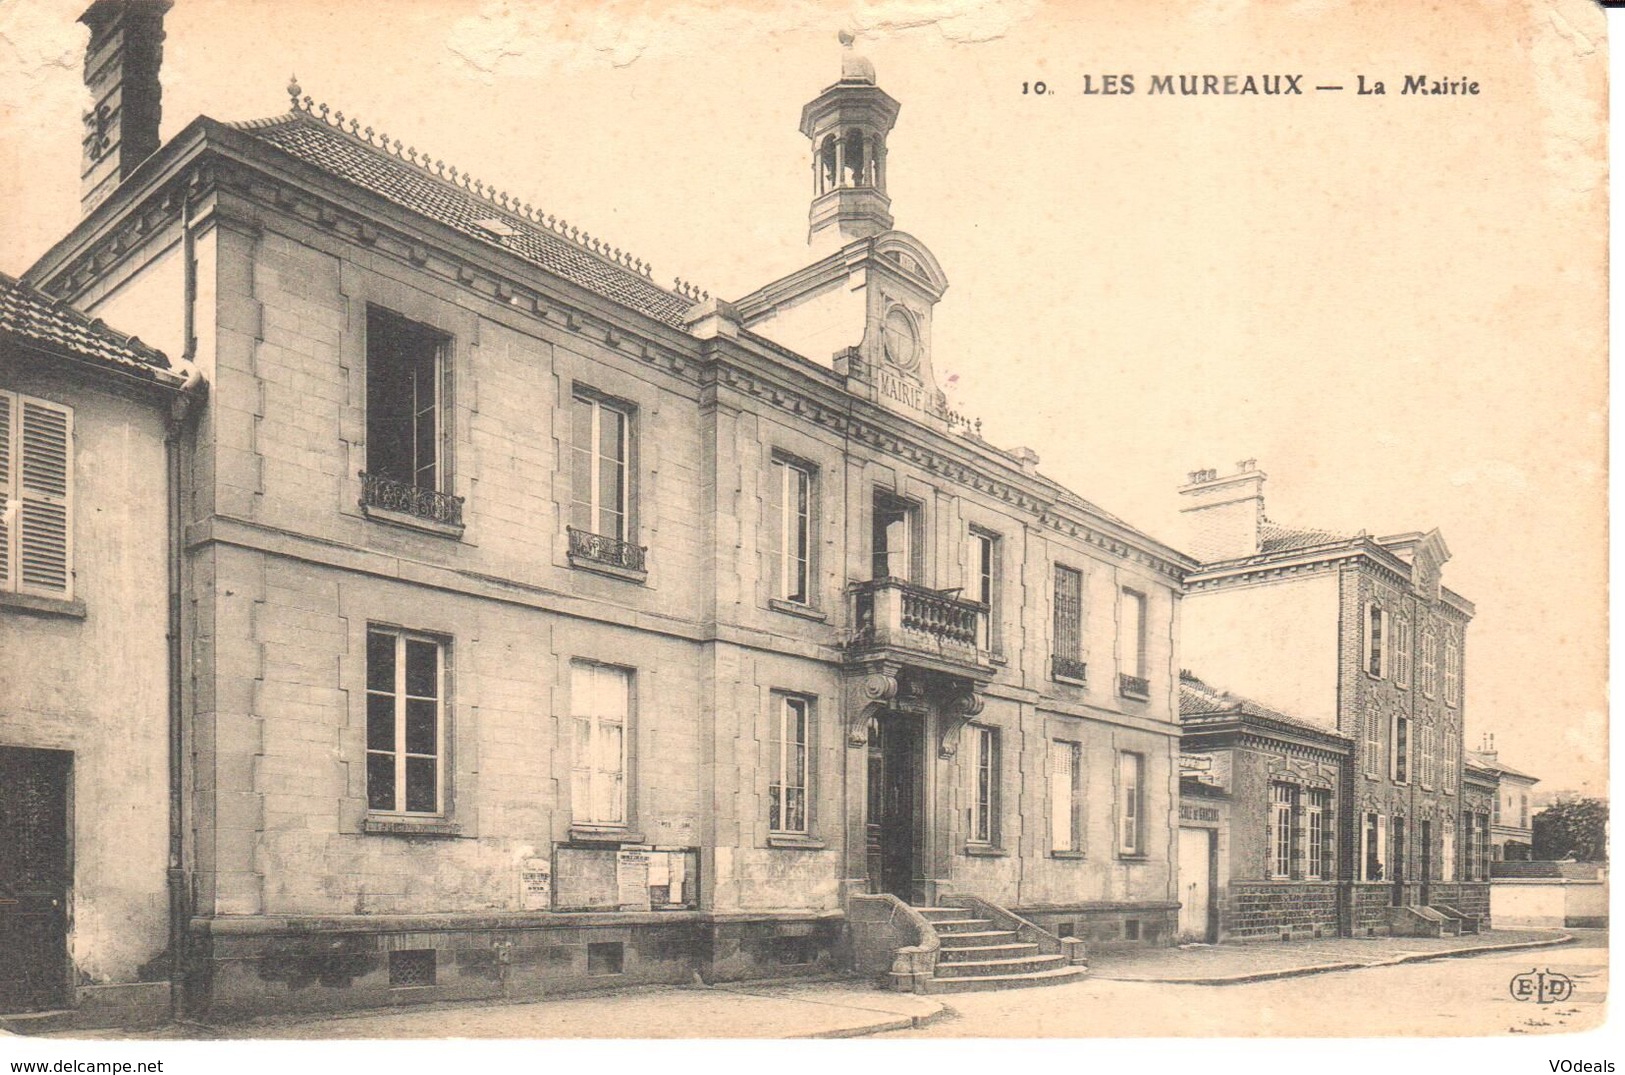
(741, 1010)
(1256, 961)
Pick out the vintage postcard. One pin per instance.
(919, 520)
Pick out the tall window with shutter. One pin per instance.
(1065, 803)
(36, 485)
(1066, 640)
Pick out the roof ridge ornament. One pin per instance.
(351, 126)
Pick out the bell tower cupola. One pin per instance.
(847, 125)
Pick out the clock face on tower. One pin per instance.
(901, 339)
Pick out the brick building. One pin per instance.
(551, 628)
(1357, 635)
(1260, 792)
(86, 702)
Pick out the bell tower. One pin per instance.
(847, 126)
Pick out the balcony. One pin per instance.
(1134, 687)
(411, 505)
(890, 614)
(610, 555)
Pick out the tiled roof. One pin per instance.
(435, 192)
(1198, 700)
(1273, 537)
(1490, 764)
(30, 316)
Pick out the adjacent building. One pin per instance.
(1357, 635)
(1259, 798)
(549, 628)
(1512, 833)
(86, 705)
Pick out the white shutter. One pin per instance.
(44, 486)
(9, 507)
(1060, 796)
(1382, 848)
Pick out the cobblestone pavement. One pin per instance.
(1218, 963)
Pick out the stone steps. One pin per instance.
(974, 954)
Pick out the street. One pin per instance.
(1465, 996)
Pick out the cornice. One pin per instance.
(1359, 552)
(861, 422)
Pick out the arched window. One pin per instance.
(856, 170)
(827, 165)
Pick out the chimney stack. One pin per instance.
(121, 72)
(1223, 514)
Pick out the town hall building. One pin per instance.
(548, 628)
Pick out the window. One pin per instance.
(1131, 638)
(36, 497)
(1065, 801)
(1496, 808)
(1482, 860)
(1066, 641)
(793, 483)
(600, 443)
(1523, 810)
(1373, 742)
(1131, 803)
(1281, 796)
(1430, 663)
(985, 794)
(1452, 671)
(1452, 758)
(1402, 750)
(787, 806)
(1424, 755)
(405, 722)
(1372, 860)
(406, 411)
(600, 705)
(1322, 834)
(983, 571)
(1402, 652)
(1376, 656)
(1467, 859)
(893, 537)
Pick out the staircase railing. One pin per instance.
(892, 943)
(1049, 944)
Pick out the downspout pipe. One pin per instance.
(181, 411)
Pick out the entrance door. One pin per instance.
(33, 878)
(1396, 856)
(1196, 870)
(1426, 836)
(893, 765)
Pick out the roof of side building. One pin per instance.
(30, 317)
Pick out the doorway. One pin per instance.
(1425, 835)
(33, 878)
(892, 807)
(1198, 867)
(1396, 856)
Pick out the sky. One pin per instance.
(1395, 303)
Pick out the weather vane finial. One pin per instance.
(846, 37)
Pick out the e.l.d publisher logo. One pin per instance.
(1541, 986)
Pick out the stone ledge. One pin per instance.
(32, 604)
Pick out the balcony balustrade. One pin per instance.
(1068, 667)
(891, 613)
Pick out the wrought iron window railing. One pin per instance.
(610, 551)
(1133, 686)
(1067, 667)
(388, 494)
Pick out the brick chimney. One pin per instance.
(121, 72)
(1222, 515)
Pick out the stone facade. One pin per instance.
(520, 874)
